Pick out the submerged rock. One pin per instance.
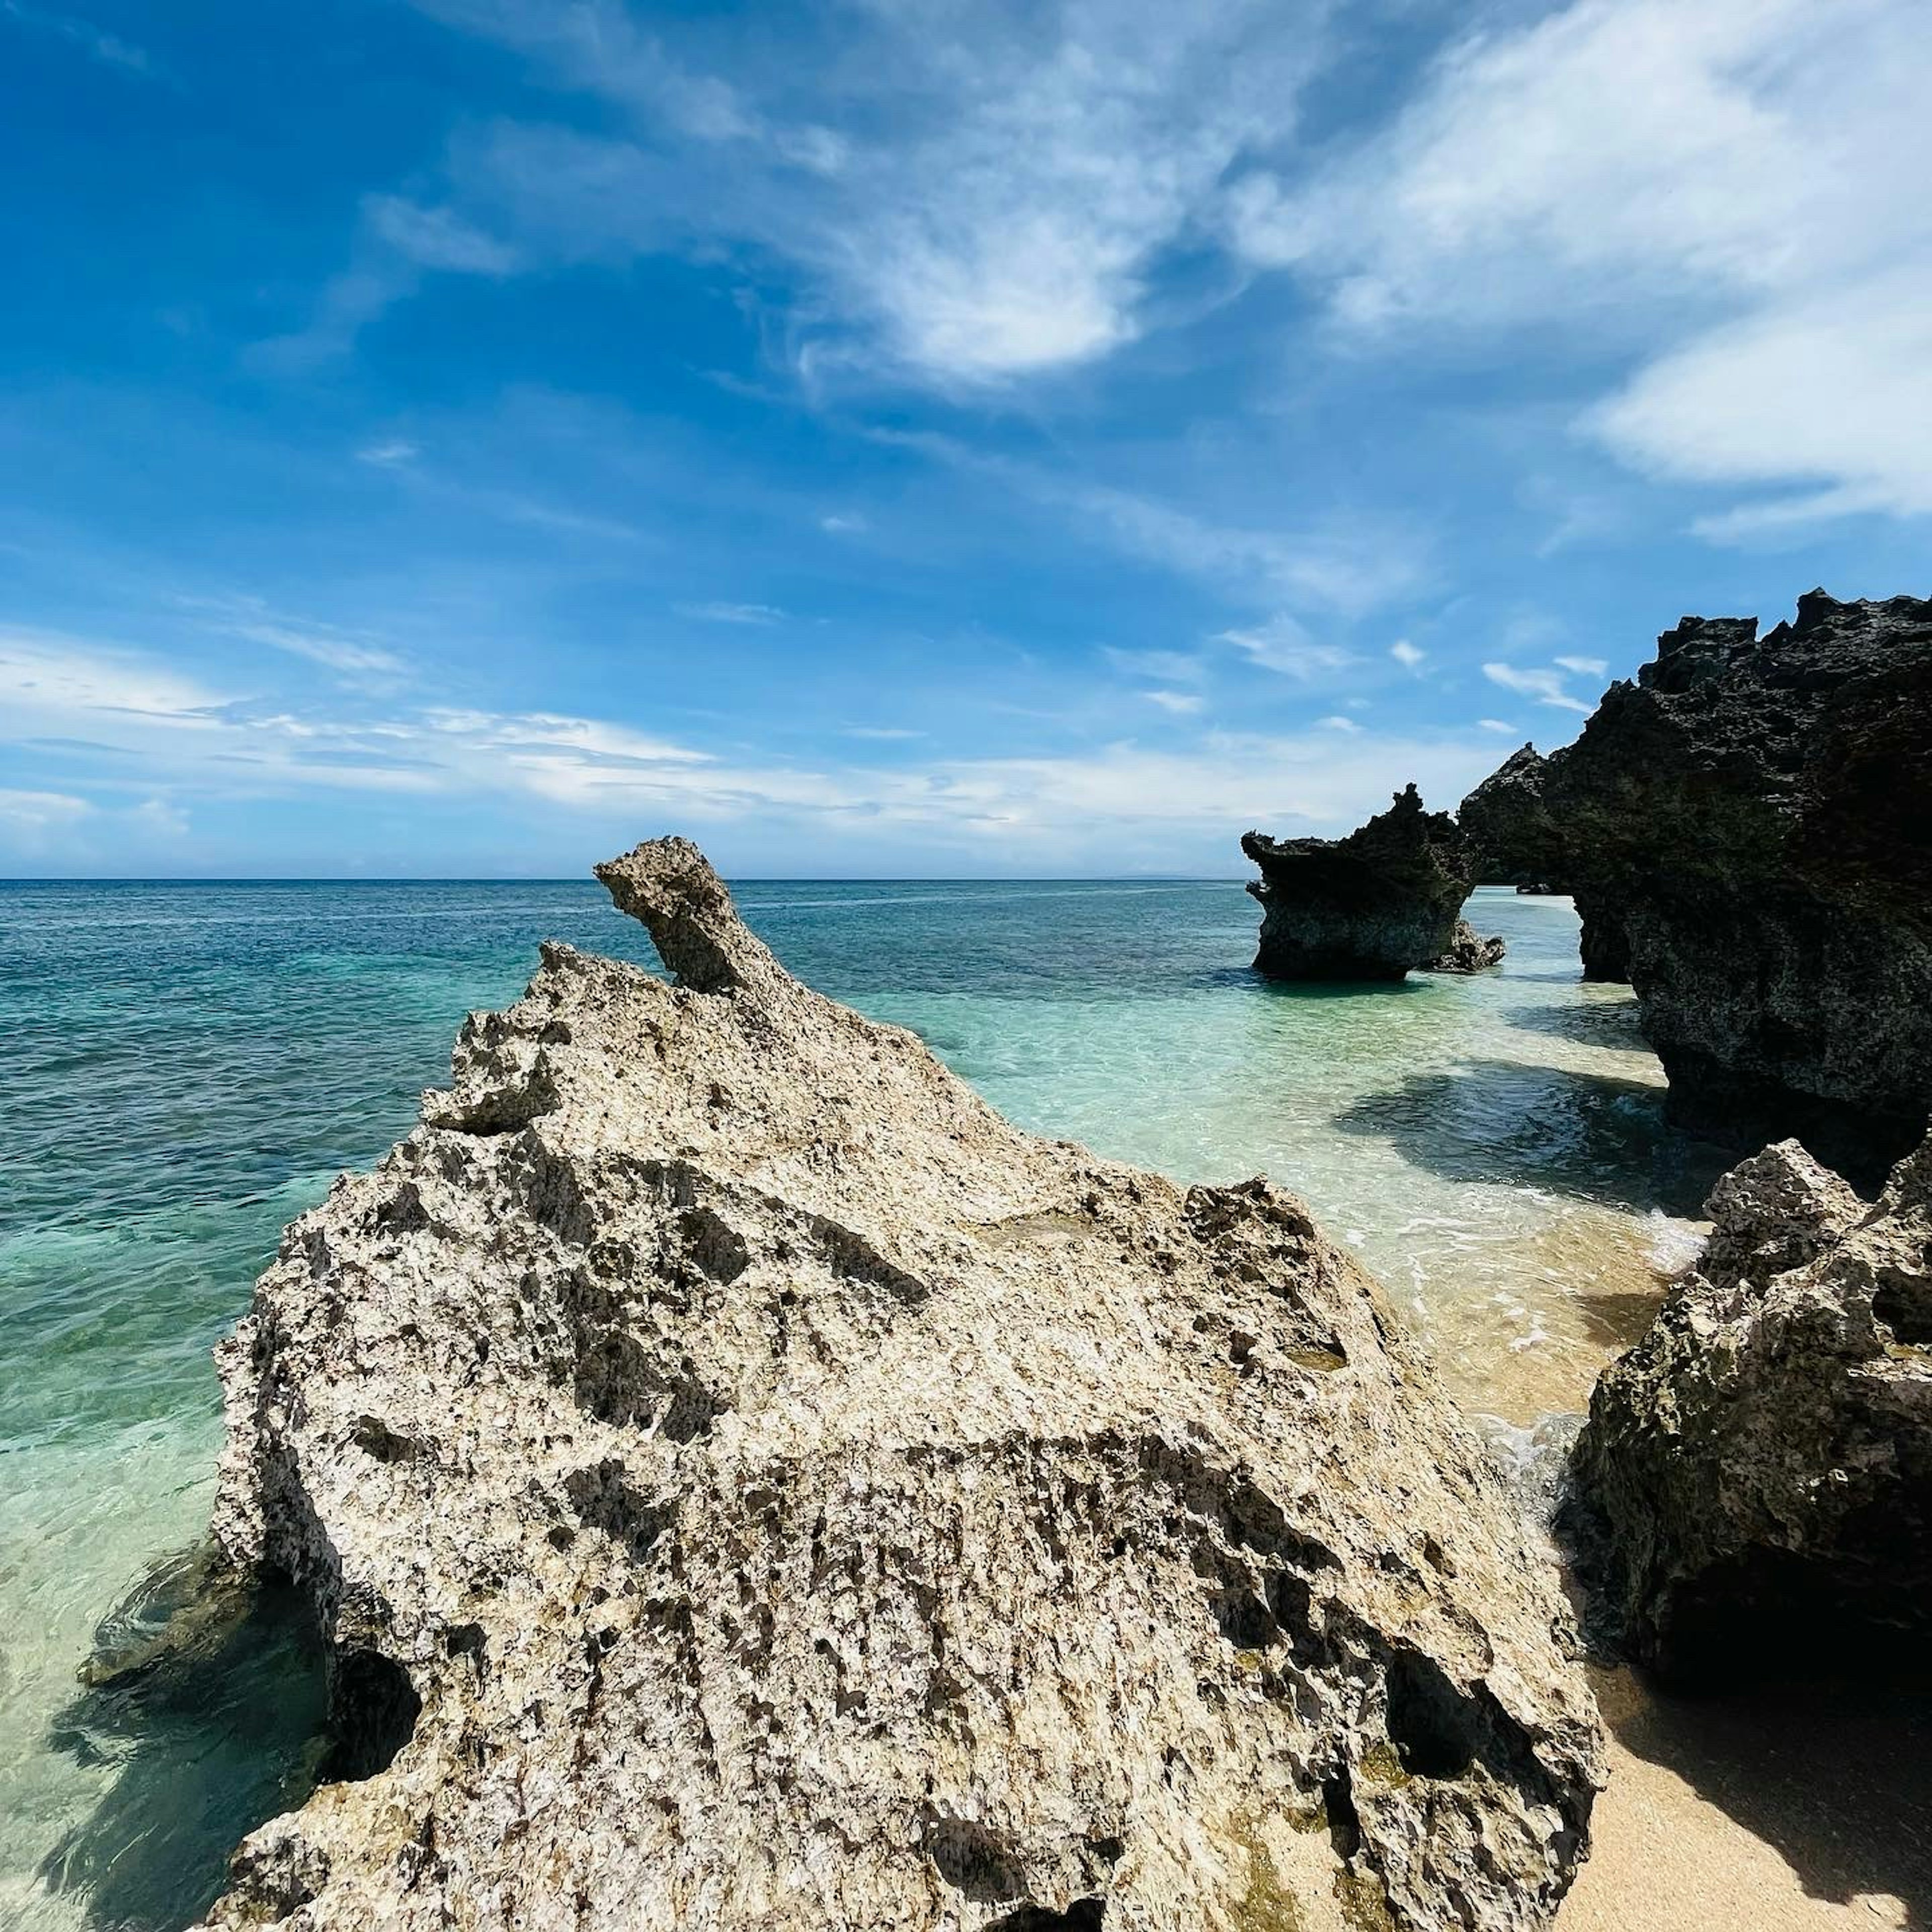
(745, 1482)
(1754, 1487)
(1375, 905)
(1469, 951)
(1750, 822)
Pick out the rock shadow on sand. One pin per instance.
(1835, 1777)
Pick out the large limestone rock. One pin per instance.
(1753, 819)
(1375, 905)
(1754, 1487)
(745, 1483)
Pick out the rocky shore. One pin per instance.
(1748, 830)
(743, 1481)
(1753, 1490)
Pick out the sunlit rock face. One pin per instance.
(1375, 905)
(744, 1482)
(1754, 1487)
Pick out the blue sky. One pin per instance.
(466, 437)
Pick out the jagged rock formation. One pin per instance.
(1514, 842)
(1754, 1487)
(1755, 816)
(746, 1482)
(1469, 951)
(1518, 841)
(1375, 905)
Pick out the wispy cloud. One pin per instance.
(980, 195)
(1741, 222)
(1546, 686)
(731, 614)
(1405, 654)
(1285, 646)
(1181, 704)
(1586, 667)
(183, 743)
(109, 50)
(1496, 724)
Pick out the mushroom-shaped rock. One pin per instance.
(744, 1482)
(1754, 1486)
(1375, 905)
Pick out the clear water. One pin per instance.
(184, 1067)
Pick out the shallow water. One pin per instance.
(186, 1066)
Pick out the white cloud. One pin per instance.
(1586, 667)
(436, 237)
(109, 50)
(1729, 189)
(1338, 724)
(884, 733)
(1181, 704)
(1283, 645)
(844, 522)
(1546, 686)
(389, 453)
(36, 811)
(731, 614)
(989, 205)
(1168, 667)
(52, 679)
(1496, 724)
(1209, 788)
(1406, 654)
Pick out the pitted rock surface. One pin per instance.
(1754, 1487)
(746, 1482)
(1375, 905)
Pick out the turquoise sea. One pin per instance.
(184, 1067)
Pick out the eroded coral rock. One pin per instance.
(1754, 1487)
(746, 1482)
(1375, 905)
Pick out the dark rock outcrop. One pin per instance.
(1517, 841)
(1375, 905)
(1753, 820)
(1753, 1490)
(1469, 951)
(745, 1482)
(1513, 841)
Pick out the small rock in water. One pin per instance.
(1468, 952)
(746, 1482)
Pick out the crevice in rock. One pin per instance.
(1084, 1915)
(372, 1709)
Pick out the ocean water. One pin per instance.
(185, 1067)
